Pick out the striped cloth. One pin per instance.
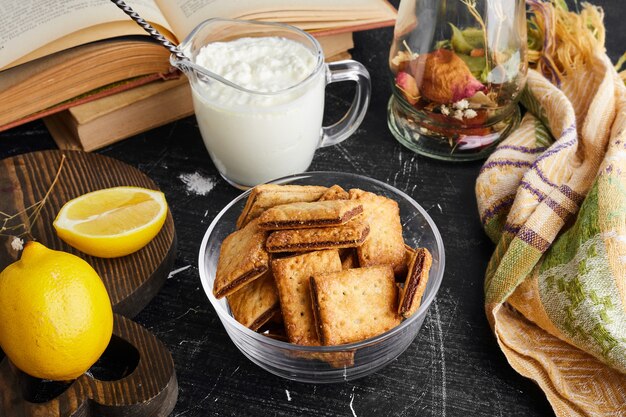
(553, 199)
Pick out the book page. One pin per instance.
(184, 15)
(29, 25)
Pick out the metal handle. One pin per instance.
(148, 28)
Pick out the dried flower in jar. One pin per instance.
(443, 77)
(408, 86)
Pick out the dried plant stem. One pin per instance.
(408, 48)
(471, 7)
(570, 40)
(32, 212)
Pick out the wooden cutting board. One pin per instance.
(135, 376)
(133, 280)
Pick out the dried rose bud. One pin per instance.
(443, 77)
(408, 86)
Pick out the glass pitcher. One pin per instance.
(254, 136)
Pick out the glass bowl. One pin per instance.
(326, 364)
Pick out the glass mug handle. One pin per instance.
(347, 70)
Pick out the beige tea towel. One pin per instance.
(553, 199)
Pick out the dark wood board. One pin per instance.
(135, 377)
(131, 281)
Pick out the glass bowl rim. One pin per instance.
(324, 349)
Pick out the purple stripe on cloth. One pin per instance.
(571, 194)
(560, 211)
(523, 149)
(533, 239)
(505, 162)
(502, 204)
(542, 176)
(511, 228)
(539, 194)
(558, 148)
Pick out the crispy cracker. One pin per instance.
(242, 258)
(265, 196)
(385, 244)
(354, 304)
(335, 193)
(292, 279)
(415, 284)
(256, 303)
(310, 214)
(349, 235)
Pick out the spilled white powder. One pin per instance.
(196, 183)
(177, 271)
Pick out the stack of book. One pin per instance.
(96, 77)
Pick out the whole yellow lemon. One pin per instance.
(55, 314)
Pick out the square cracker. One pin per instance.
(354, 304)
(313, 214)
(242, 258)
(256, 303)
(351, 234)
(335, 193)
(292, 279)
(266, 196)
(385, 244)
(415, 284)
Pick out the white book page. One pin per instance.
(184, 15)
(28, 25)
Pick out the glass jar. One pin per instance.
(458, 68)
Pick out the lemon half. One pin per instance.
(112, 222)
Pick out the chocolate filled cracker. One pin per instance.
(307, 215)
(354, 304)
(351, 234)
(415, 284)
(242, 258)
(385, 244)
(265, 196)
(255, 303)
(292, 279)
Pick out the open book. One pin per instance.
(56, 54)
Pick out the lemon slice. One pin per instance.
(112, 222)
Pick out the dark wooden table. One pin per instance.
(453, 368)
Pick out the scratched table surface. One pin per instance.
(453, 368)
